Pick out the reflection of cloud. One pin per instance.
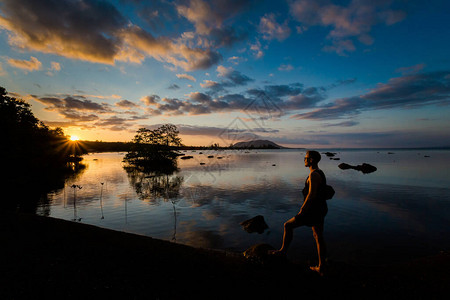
(201, 238)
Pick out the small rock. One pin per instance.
(258, 250)
(330, 154)
(259, 253)
(256, 224)
(186, 157)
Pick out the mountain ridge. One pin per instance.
(258, 144)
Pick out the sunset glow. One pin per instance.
(74, 138)
(301, 73)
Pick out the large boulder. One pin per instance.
(256, 224)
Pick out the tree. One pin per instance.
(155, 149)
(33, 154)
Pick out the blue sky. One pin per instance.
(301, 73)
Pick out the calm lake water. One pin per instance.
(399, 212)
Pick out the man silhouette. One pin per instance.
(312, 212)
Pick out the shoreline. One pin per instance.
(47, 256)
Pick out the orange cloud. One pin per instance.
(28, 65)
(93, 31)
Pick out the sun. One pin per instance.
(74, 138)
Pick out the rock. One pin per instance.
(365, 168)
(330, 154)
(259, 253)
(186, 157)
(345, 166)
(258, 250)
(256, 224)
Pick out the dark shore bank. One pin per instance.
(51, 258)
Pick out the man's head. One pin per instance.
(312, 158)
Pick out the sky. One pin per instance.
(301, 73)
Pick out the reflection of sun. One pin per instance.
(74, 138)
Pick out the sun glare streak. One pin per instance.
(74, 138)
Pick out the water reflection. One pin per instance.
(372, 216)
(157, 184)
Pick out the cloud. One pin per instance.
(74, 107)
(411, 70)
(237, 60)
(354, 21)
(229, 78)
(300, 102)
(232, 77)
(393, 138)
(28, 65)
(409, 91)
(81, 30)
(343, 124)
(150, 100)
(257, 49)
(186, 76)
(286, 68)
(126, 104)
(271, 29)
(208, 18)
(138, 44)
(209, 15)
(55, 66)
(93, 31)
(2, 72)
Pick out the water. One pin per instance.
(398, 212)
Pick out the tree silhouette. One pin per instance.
(155, 149)
(35, 157)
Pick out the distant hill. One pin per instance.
(258, 144)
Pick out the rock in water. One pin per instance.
(256, 224)
(365, 168)
(330, 154)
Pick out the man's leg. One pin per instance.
(288, 235)
(321, 246)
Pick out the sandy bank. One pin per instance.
(45, 257)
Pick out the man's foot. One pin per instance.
(277, 253)
(317, 269)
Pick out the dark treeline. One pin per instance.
(35, 158)
(100, 146)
